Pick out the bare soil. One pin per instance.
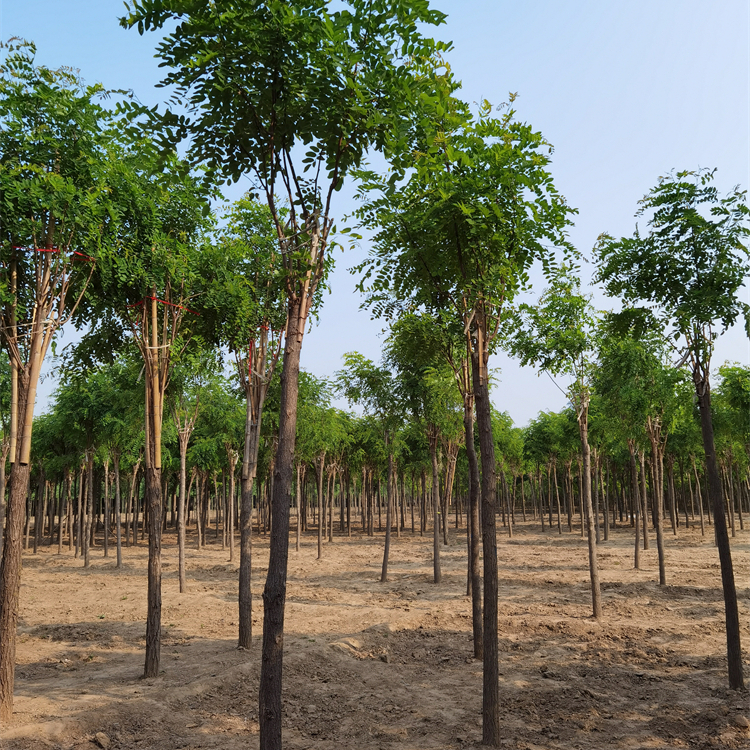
(375, 666)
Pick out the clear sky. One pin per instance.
(626, 90)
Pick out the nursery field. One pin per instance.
(371, 665)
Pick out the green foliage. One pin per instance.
(690, 266)
(635, 382)
(55, 193)
(243, 277)
(558, 335)
(469, 208)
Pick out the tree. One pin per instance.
(248, 305)
(469, 208)
(686, 273)
(189, 376)
(146, 281)
(374, 389)
(294, 94)
(639, 388)
(558, 336)
(54, 202)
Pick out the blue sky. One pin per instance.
(625, 90)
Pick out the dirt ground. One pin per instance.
(370, 665)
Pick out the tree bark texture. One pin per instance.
(473, 532)
(153, 619)
(734, 650)
(490, 684)
(274, 593)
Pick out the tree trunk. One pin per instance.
(472, 530)
(387, 548)
(118, 510)
(734, 650)
(10, 584)
(596, 594)
(644, 501)
(183, 441)
(436, 572)
(274, 593)
(658, 503)
(88, 526)
(321, 465)
(153, 617)
(635, 505)
(491, 677)
(3, 462)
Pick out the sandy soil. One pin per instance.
(371, 665)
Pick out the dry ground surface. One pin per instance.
(375, 666)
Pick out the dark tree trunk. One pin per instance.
(734, 650)
(473, 532)
(388, 520)
(153, 618)
(635, 506)
(490, 685)
(436, 572)
(118, 510)
(274, 593)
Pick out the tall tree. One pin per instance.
(469, 208)
(374, 389)
(292, 94)
(144, 291)
(53, 205)
(558, 335)
(246, 295)
(685, 274)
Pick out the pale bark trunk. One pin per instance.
(596, 594)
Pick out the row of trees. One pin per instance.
(104, 225)
(344, 456)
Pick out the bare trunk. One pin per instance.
(734, 650)
(387, 549)
(10, 585)
(181, 515)
(472, 529)
(436, 572)
(274, 593)
(491, 677)
(596, 594)
(153, 618)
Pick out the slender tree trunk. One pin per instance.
(387, 549)
(89, 506)
(734, 650)
(274, 593)
(3, 461)
(118, 510)
(321, 465)
(635, 505)
(436, 572)
(491, 676)
(472, 530)
(644, 501)
(183, 438)
(153, 619)
(700, 498)
(596, 594)
(658, 503)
